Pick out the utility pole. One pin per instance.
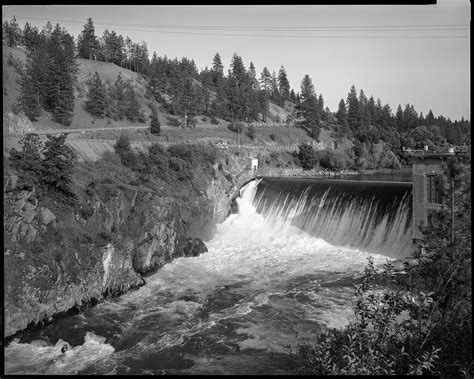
(452, 212)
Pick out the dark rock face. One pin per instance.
(56, 261)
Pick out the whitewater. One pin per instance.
(265, 285)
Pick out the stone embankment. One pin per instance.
(57, 260)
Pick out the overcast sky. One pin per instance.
(319, 40)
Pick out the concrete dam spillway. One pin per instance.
(280, 268)
(374, 216)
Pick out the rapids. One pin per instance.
(267, 283)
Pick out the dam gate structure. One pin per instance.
(428, 170)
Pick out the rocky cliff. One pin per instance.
(57, 259)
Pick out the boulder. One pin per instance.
(192, 247)
(47, 216)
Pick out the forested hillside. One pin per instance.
(110, 79)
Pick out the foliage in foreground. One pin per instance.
(49, 165)
(417, 323)
(184, 167)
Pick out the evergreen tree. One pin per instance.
(430, 119)
(399, 118)
(12, 34)
(132, 111)
(266, 81)
(321, 113)
(155, 126)
(341, 117)
(371, 110)
(292, 96)
(276, 96)
(217, 70)
(58, 163)
(363, 109)
(410, 118)
(31, 36)
(62, 72)
(27, 162)
(118, 96)
(253, 77)
(353, 113)
(87, 43)
(307, 108)
(96, 102)
(283, 84)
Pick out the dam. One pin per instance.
(277, 271)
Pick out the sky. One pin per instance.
(402, 54)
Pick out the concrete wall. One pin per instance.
(422, 168)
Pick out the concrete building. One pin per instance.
(252, 164)
(428, 179)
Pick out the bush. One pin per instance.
(333, 159)
(155, 126)
(236, 127)
(124, 150)
(251, 132)
(173, 122)
(214, 120)
(86, 211)
(307, 156)
(272, 137)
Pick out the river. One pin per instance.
(268, 282)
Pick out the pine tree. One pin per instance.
(276, 96)
(364, 114)
(155, 126)
(87, 43)
(283, 84)
(266, 81)
(292, 96)
(27, 162)
(31, 36)
(58, 163)
(399, 118)
(62, 72)
(132, 111)
(341, 116)
(253, 77)
(307, 108)
(353, 113)
(118, 95)
(12, 34)
(96, 97)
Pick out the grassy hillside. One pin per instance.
(268, 136)
(108, 72)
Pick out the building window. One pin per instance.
(433, 189)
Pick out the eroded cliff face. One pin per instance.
(57, 260)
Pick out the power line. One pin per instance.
(267, 29)
(260, 28)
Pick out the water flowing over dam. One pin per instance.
(374, 216)
(278, 270)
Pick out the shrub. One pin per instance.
(307, 156)
(251, 132)
(124, 150)
(214, 120)
(236, 127)
(86, 211)
(155, 126)
(173, 122)
(272, 137)
(333, 159)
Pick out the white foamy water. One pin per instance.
(263, 285)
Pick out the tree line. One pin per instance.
(240, 94)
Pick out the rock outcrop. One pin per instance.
(57, 259)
